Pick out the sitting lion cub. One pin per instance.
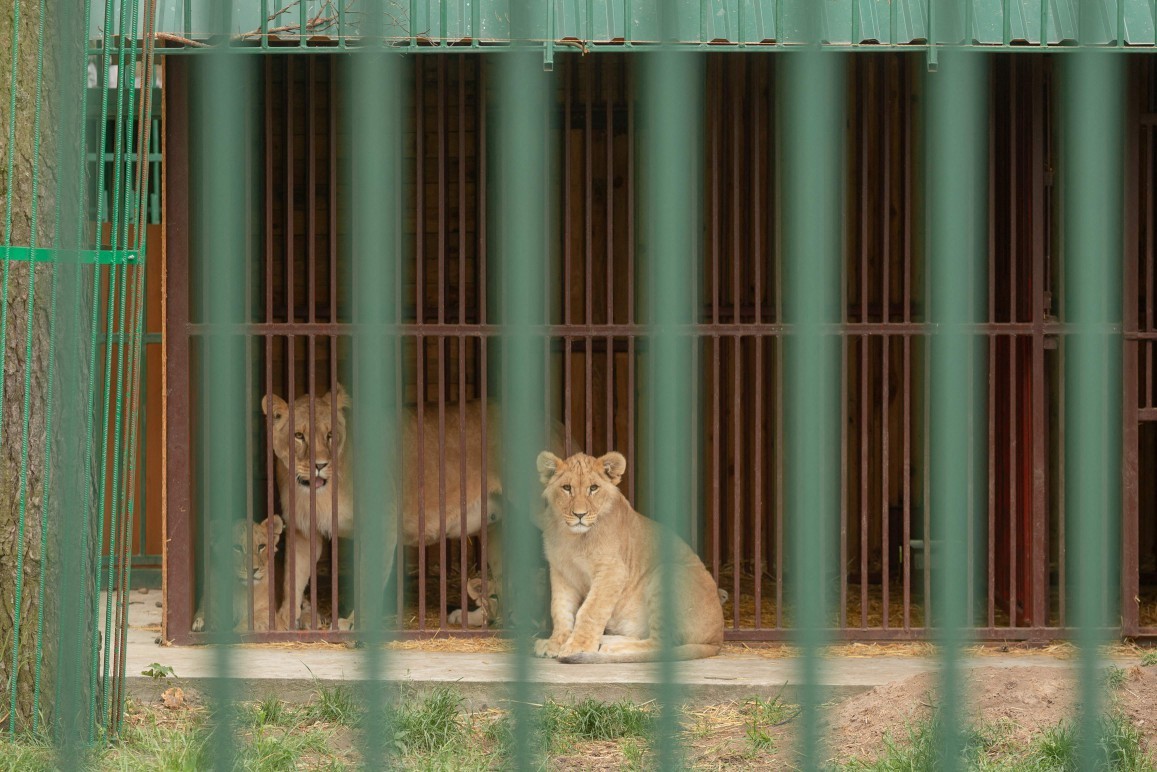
(250, 574)
(605, 572)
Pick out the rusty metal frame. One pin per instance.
(595, 337)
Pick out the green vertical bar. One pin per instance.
(958, 210)
(1092, 159)
(812, 93)
(671, 115)
(63, 491)
(218, 114)
(377, 104)
(87, 324)
(523, 187)
(120, 218)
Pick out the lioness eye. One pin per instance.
(594, 488)
(300, 436)
(566, 488)
(261, 548)
(328, 436)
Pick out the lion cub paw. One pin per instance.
(577, 646)
(547, 647)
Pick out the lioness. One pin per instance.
(250, 574)
(605, 572)
(330, 457)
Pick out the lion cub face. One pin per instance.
(322, 435)
(581, 488)
(253, 566)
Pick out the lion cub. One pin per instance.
(250, 574)
(605, 572)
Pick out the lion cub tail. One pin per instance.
(644, 651)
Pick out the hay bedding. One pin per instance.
(1148, 611)
(449, 641)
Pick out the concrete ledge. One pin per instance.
(484, 679)
(295, 673)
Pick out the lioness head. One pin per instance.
(580, 489)
(252, 566)
(326, 438)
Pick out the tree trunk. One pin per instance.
(34, 485)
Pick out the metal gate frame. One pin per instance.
(1140, 332)
(1020, 332)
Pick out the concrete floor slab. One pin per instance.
(484, 679)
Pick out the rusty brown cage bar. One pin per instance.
(1139, 533)
(597, 352)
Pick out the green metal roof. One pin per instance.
(723, 23)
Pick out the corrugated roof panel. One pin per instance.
(1140, 26)
(736, 21)
(856, 22)
(882, 22)
(592, 20)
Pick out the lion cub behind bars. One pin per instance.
(606, 572)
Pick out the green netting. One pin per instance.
(70, 339)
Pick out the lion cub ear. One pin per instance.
(278, 524)
(613, 465)
(275, 407)
(548, 464)
(343, 399)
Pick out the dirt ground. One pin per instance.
(1025, 700)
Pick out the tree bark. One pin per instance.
(34, 484)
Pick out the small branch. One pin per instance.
(270, 18)
(580, 44)
(171, 38)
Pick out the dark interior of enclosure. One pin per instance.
(597, 352)
(1140, 500)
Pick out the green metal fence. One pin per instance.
(64, 289)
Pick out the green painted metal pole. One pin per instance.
(376, 112)
(217, 111)
(811, 86)
(523, 188)
(1092, 162)
(65, 488)
(956, 181)
(670, 123)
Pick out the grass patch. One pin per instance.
(287, 749)
(920, 750)
(332, 705)
(34, 755)
(595, 720)
(269, 712)
(762, 715)
(1150, 659)
(149, 745)
(634, 751)
(430, 726)
(1115, 677)
(1119, 748)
